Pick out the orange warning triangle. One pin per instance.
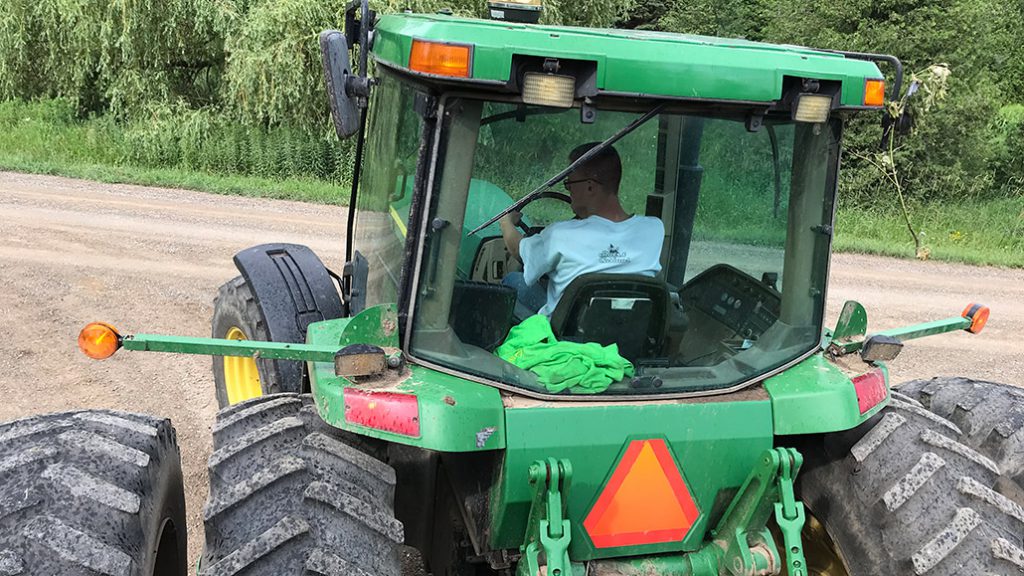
(644, 502)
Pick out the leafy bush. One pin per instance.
(234, 86)
(1008, 141)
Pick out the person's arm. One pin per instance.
(511, 234)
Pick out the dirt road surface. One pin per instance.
(150, 260)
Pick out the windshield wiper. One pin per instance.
(543, 188)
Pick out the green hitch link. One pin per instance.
(742, 534)
(789, 512)
(548, 530)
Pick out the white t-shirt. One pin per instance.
(564, 250)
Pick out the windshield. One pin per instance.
(692, 256)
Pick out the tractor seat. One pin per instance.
(628, 310)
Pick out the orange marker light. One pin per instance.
(874, 92)
(98, 340)
(441, 59)
(978, 315)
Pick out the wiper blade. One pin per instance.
(540, 190)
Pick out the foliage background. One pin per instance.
(234, 87)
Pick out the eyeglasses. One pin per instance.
(569, 183)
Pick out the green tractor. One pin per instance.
(399, 401)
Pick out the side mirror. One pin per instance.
(905, 123)
(902, 124)
(337, 73)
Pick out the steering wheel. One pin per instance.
(530, 231)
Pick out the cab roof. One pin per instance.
(629, 62)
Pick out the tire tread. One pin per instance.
(86, 492)
(990, 416)
(909, 499)
(289, 497)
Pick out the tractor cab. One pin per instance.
(739, 168)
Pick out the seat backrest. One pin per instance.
(628, 310)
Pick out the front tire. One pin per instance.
(907, 498)
(91, 492)
(236, 316)
(289, 497)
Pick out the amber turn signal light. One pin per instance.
(978, 315)
(98, 340)
(874, 92)
(441, 59)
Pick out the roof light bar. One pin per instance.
(515, 10)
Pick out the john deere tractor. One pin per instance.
(366, 407)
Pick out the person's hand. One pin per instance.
(509, 233)
(513, 217)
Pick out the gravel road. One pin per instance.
(150, 260)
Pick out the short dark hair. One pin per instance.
(605, 167)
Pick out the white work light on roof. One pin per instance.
(548, 89)
(812, 108)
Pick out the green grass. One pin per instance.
(179, 152)
(44, 138)
(300, 189)
(988, 233)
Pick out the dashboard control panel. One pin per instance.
(745, 305)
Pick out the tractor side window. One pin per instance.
(386, 188)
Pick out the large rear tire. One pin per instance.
(990, 417)
(289, 497)
(902, 496)
(91, 492)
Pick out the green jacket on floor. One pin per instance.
(589, 368)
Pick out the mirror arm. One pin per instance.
(897, 82)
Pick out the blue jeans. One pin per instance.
(529, 298)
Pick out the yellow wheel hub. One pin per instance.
(241, 378)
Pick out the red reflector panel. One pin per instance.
(870, 389)
(645, 501)
(389, 411)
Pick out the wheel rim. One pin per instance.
(241, 377)
(820, 551)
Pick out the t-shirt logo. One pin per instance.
(613, 255)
